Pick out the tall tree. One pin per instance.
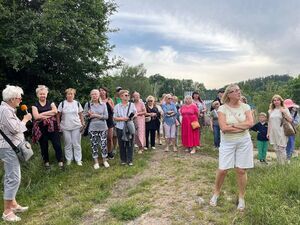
(57, 43)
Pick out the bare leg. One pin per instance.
(242, 181)
(220, 177)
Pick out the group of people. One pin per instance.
(127, 120)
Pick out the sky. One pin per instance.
(214, 42)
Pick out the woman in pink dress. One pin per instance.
(189, 136)
(139, 121)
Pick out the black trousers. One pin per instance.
(126, 148)
(152, 137)
(54, 137)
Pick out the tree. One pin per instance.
(133, 78)
(58, 43)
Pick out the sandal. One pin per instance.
(213, 201)
(10, 217)
(19, 209)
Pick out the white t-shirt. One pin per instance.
(70, 119)
(234, 115)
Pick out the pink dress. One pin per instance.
(140, 136)
(189, 137)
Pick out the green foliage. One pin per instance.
(128, 210)
(273, 194)
(57, 43)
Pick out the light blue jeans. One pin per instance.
(290, 147)
(12, 175)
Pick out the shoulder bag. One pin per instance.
(23, 150)
(288, 128)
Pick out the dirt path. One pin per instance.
(175, 190)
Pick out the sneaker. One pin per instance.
(140, 152)
(105, 163)
(47, 166)
(153, 148)
(136, 146)
(130, 164)
(10, 217)
(123, 163)
(241, 205)
(110, 155)
(145, 148)
(96, 166)
(69, 162)
(213, 201)
(79, 163)
(61, 165)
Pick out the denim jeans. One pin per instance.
(290, 147)
(216, 129)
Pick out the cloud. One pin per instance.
(214, 42)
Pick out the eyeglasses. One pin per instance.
(19, 98)
(126, 95)
(235, 91)
(150, 101)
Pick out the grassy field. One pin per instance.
(161, 188)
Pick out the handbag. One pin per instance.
(23, 150)
(147, 119)
(129, 128)
(195, 124)
(86, 129)
(288, 128)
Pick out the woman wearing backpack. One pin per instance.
(70, 119)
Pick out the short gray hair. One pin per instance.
(188, 97)
(40, 88)
(11, 92)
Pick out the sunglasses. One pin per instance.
(235, 91)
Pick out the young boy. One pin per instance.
(262, 141)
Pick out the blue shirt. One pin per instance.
(169, 119)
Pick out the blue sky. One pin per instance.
(214, 42)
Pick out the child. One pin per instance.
(262, 141)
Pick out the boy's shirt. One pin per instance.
(262, 130)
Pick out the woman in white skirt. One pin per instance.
(236, 149)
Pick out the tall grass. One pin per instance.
(63, 197)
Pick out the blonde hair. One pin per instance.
(150, 97)
(262, 114)
(40, 88)
(272, 106)
(244, 99)
(225, 98)
(11, 92)
(70, 90)
(123, 92)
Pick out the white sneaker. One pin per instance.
(241, 205)
(96, 166)
(145, 148)
(69, 162)
(153, 148)
(105, 163)
(213, 201)
(79, 163)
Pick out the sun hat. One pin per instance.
(289, 103)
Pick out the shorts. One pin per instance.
(236, 153)
(170, 131)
